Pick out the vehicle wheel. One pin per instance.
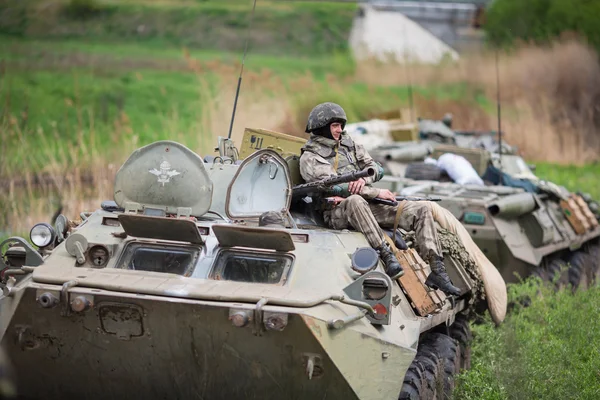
(449, 352)
(439, 357)
(414, 382)
(541, 273)
(433, 373)
(594, 252)
(581, 271)
(558, 270)
(423, 378)
(421, 171)
(460, 330)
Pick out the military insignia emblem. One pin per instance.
(164, 173)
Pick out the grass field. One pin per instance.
(64, 99)
(297, 27)
(574, 178)
(548, 350)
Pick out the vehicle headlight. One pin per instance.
(42, 234)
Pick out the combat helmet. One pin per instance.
(323, 114)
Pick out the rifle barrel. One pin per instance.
(401, 198)
(321, 185)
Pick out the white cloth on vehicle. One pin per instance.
(459, 169)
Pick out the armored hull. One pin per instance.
(524, 225)
(132, 345)
(176, 291)
(522, 233)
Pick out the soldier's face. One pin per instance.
(336, 130)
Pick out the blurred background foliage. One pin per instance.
(542, 21)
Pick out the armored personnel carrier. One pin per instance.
(185, 287)
(523, 224)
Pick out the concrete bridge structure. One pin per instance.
(418, 30)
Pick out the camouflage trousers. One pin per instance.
(367, 218)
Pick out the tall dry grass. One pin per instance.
(550, 96)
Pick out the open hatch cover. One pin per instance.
(145, 226)
(262, 183)
(253, 237)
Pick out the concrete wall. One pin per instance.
(391, 36)
(450, 21)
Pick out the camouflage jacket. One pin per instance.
(322, 157)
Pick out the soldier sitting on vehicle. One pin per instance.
(330, 151)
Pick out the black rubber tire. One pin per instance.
(541, 273)
(460, 330)
(432, 373)
(421, 171)
(576, 270)
(414, 381)
(594, 254)
(422, 379)
(448, 350)
(583, 262)
(558, 269)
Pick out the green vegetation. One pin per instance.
(548, 350)
(304, 28)
(574, 178)
(65, 99)
(542, 20)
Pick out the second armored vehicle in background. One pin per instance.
(523, 224)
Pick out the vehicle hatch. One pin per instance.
(164, 176)
(262, 183)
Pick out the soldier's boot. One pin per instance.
(439, 279)
(392, 266)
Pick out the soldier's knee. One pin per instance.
(423, 209)
(356, 201)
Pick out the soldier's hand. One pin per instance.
(355, 187)
(335, 200)
(386, 195)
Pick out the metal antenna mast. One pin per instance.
(237, 92)
(499, 118)
(408, 77)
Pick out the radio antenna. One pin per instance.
(237, 91)
(408, 77)
(499, 118)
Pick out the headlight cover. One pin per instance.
(42, 234)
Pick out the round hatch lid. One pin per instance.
(164, 175)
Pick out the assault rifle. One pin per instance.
(401, 198)
(329, 184)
